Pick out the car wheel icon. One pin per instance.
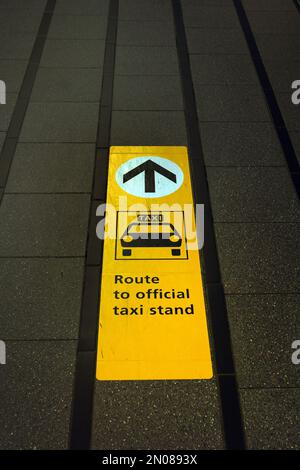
(126, 252)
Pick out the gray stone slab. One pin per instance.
(12, 73)
(6, 111)
(60, 122)
(282, 75)
(193, 4)
(273, 22)
(78, 27)
(16, 46)
(223, 70)
(262, 329)
(268, 5)
(211, 17)
(240, 144)
(14, 21)
(21, 4)
(50, 168)
(143, 10)
(36, 394)
(290, 111)
(73, 53)
(131, 60)
(147, 93)
(282, 47)
(2, 138)
(75, 85)
(295, 138)
(40, 298)
(145, 33)
(259, 258)
(220, 41)
(175, 415)
(252, 195)
(231, 103)
(271, 418)
(43, 225)
(148, 128)
(81, 7)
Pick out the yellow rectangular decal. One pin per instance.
(152, 322)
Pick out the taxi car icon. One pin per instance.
(149, 234)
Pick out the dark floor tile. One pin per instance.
(252, 195)
(295, 138)
(12, 73)
(262, 329)
(231, 103)
(75, 85)
(240, 144)
(60, 122)
(290, 111)
(40, 298)
(78, 27)
(81, 7)
(50, 168)
(19, 22)
(147, 93)
(193, 4)
(259, 258)
(268, 5)
(211, 17)
(176, 415)
(282, 75)
(16, 46)
(2, 138)
(145, 33)
(216, 41)
(131, 60)
(73, 53)
(6, 111)
(143, 10)
(21, 4)
(36, 394)
(272, 22)
(43, 225)
(272, 418)
(281, 47)
(223, 70)
(148, 128)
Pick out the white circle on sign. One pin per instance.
(149, 176)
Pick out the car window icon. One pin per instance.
(150, 231)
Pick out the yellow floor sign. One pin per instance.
(152, 322)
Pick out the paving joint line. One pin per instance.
(218, 318)
(20, 108)
(270, 97)
(297, 4)
(82, 405)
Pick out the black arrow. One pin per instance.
(149, 167)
